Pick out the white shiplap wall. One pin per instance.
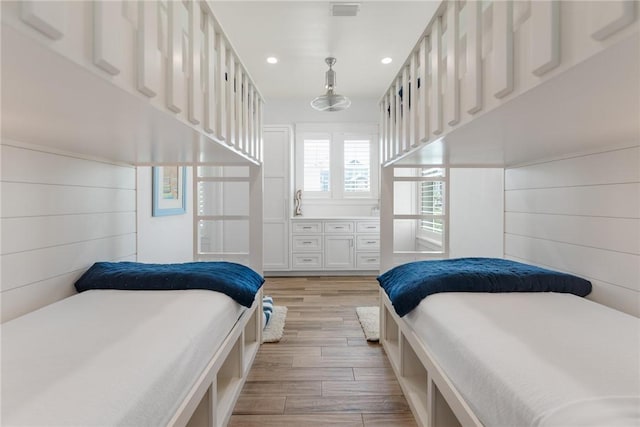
(580, 215)
(60, 213)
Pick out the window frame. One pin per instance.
(337, 135)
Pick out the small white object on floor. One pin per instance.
(275, 328)
(369, 318)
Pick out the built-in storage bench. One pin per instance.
(223, 379)
(329, 244)
(428, 392)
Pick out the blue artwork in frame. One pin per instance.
(169, 190)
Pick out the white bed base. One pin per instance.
(432, 397)
(211, 400)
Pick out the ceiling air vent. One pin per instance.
(345, 9)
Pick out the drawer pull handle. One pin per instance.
(371, 242)
(371, 227)
(307, 243)
(371, 259)
(306, 228)
(307, 260)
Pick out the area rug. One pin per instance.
(369, 318)
(275, 328)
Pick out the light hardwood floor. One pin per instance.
(322, 372)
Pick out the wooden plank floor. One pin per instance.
(323, 372)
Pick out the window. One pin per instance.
(431, 200)
(316, 165)
(357, 166)
(334, 162)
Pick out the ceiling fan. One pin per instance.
(330, 101)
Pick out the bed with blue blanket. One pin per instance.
(486, 341)
(140, 344)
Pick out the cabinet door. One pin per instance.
(276, 201)
(276, 249)
(338, 252)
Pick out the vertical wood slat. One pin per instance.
(245, 114)
(609, 17)
(502, 69)
(221, 89)
(385, 126)
(435, 112)
(196, 102)
(256, 127)
(108, 24)
(250, 123)
(382, 143)
(423, 110)
(238, 82)
(260, 125)
(406, 110)
(149, 57)
(545, 36)
(210, 76)
(178, 21)
(399, 137)
(231, 99)
(47, 17)
(246, 91)
(473, 74)
(392, 125)
(452, 92)
(415, 108)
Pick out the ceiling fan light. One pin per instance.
(330, 101)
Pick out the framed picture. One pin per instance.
(169, 190)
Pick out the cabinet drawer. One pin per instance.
(368, 261)
(307, 261)
(307, 243)
(306, 227)
(366, 243)
(368, 227)
(338, 227)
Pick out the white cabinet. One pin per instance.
(339, 252)
(334, 244)
(277, 145)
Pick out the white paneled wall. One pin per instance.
(59, 215)
(580, 215)
(163, 239)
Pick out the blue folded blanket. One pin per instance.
(237, 281)
(408, 284)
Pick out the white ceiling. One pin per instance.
(302, 33)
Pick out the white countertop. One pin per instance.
(336, 218)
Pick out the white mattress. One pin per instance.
(531, 359)
(110, 357)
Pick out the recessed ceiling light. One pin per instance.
(386, 60)
(272, 60)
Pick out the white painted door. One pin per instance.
(276, 197)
